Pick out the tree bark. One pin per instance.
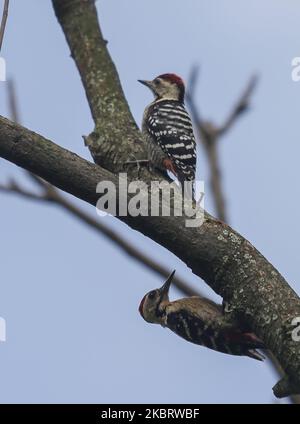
(254, 290)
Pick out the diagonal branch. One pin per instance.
(227, 262)
(254, 290)
(256, 293)
(51, 194)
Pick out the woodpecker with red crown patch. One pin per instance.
(169, 131)
(200, 321)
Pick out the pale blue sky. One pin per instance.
(70, 298)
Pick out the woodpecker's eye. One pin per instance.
(157, 82)
(152, 294)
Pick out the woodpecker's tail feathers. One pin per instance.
(245, 344)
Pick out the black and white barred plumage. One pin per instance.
(168, 128)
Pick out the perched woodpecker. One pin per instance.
(168, 129)
(200, 321)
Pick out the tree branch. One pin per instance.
(256, 293)
(110, 110)
(254, 290)
(51, 194)
(209, 134)
(241, 106)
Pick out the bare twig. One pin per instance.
(49, 193)
(233, 268)
(209, 134)
(3, 21)
(241, 106)
(13, 187)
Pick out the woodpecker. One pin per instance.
(200, 321)
(168, 129)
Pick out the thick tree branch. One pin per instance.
(255, 291)
(48, 193)
(110, 110)
(226, 261)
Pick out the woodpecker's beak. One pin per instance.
(146, 83)
(166, 287)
